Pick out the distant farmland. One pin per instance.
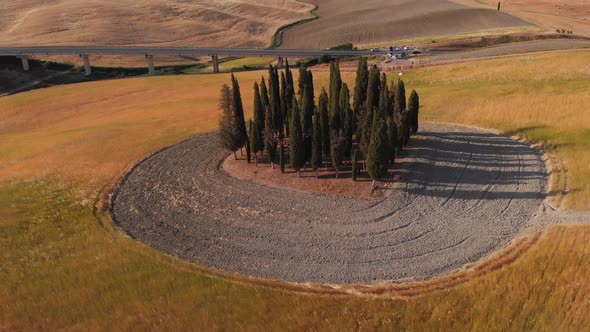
(372, 21)
(222, 23)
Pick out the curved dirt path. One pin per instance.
(468, 193)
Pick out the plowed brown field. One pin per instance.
(372, 21)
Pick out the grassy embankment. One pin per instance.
(60, 147)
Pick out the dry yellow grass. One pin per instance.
(61, 268)
(570, 15)
(239, 23)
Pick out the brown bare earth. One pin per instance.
(237, 23)
(325, 182)
(373, 21)
(465, 193)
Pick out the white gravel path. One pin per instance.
(468, 193)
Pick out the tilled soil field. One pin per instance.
(467, 193)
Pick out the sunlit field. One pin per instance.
(62, 265)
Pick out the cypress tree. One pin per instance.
(284, 104)
(372, 105)
(258, 114)
(270, 141)
(238, 110)
(392, 135)
(407, 130)
(296, 152)
(307, 110)
(348, 121)
(275, 100)
(360, 95)
(335, 86)
(373, 88)
(383, 97)
(414, 108)
(264, 96)
(400, 96)
(399, 107)
(337, 150)
(316, 147)
(361, 85)
(302, 79)
(228, 133)
(367, 130)
(377, 156)
(290, 91)
(255, 143)
(248, 150)
(282, 157)
(324, 122)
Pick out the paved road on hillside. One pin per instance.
(468, 193)
(141, 50)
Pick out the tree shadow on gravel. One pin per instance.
(451, 164)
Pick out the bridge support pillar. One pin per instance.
(86, 59)
(25, 62)
(152, 68)
(280, 63)
(215, 63)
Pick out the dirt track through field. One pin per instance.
(468, 193)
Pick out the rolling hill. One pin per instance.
(236, 23)
(372, 21)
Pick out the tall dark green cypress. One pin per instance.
(290, 92)
(284, 105)
(400, 119)
(347, 118)
(307, 111)
(270, 140)
(400, 96)
(392, 135)
(316, 146)
(296, 152)
(275, 100)
(377, 156)
(258, 113)
(337, 150)
(229, 135)
(383, 97)
(238, 110)
(373, 89)
(264, 96)
(414, 108)
(361, 84)
(360, 94)
(248, 147)
(367, 130)
(324, 121)
(301, 83)
(372, 106)
(335, 86)
(255, 143)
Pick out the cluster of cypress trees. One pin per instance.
(375, 127)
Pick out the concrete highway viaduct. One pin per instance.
(25, 53)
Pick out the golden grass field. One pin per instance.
(375, 21)
(199, 23)
(61, 267)
(570, 15)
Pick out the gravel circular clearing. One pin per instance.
(467, 193)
